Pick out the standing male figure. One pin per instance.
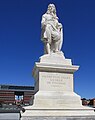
(52, 33)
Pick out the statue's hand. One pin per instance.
(59, 25)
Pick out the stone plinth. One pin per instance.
(54, 82)
(54, 89)
(60, 118)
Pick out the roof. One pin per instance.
(16, 87)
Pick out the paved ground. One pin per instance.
(9, 116)
(8, 112)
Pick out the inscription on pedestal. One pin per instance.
(56, 81)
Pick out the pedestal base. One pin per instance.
(55, 93)
(60, 118)
(65, 112)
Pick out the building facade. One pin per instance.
(12, 94)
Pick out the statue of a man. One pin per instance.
(52, 33)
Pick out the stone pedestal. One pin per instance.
(54, 89)
(60, 118)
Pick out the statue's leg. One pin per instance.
(56, 47)
(56, 40)
(52, 47)
(47, 48)
(48, 31)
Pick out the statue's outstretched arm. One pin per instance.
(43, 22)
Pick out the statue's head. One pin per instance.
(51, 8)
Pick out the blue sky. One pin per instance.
(21, 47)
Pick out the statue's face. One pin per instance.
(51, 8)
